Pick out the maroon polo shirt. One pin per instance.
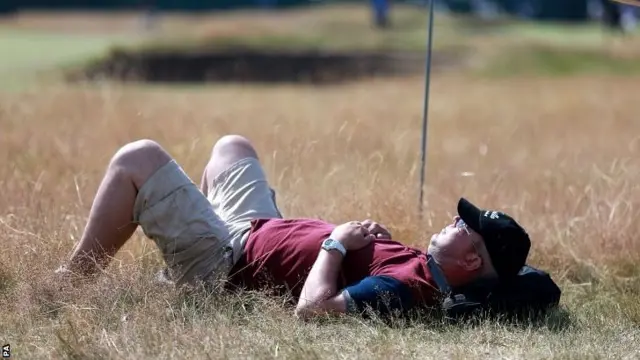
(279, 254)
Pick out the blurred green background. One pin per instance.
(486, 37)
(539, 9)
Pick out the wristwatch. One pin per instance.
(331, 244)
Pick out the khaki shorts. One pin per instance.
(202, 236)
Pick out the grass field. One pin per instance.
(559, 153)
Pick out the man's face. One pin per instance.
(458, 250)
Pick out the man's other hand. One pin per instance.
(353, 235)
(378, 230)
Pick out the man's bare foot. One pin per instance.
(65, 277)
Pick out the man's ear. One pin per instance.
(471, 262)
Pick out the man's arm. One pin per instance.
(383, 294)
(318, 294)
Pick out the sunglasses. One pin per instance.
(460, 224)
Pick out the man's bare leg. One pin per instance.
(228, 150)
(110, 222)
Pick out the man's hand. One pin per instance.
(353, 235)
(378, 230)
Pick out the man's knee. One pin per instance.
(234, 147)
(139, 160)
(226, 152)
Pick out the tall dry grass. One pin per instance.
(561, 155)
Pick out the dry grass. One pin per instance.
(559, 154)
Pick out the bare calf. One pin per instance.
(110, 222)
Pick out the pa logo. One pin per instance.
(6, 351)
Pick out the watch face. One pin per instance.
(331, 244)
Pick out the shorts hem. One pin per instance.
(168, 179)
(220, 178)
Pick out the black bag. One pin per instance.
(530, 294)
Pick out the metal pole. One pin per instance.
(425, 114)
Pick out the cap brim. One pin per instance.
(469, 213)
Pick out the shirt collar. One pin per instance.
(438, 276)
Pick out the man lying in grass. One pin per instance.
(231, 229)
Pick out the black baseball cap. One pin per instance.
(506, 241)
